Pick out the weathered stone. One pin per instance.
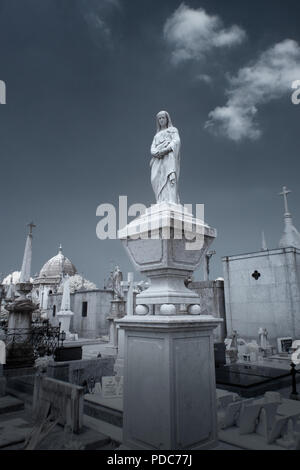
(66, 401)
(169, 382)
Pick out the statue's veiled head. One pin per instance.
(163, 120)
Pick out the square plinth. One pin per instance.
(169, 382)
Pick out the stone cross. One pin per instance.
(128, 286)
(31, 227)
(284, 193)
(263, 242)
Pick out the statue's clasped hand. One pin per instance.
(172, 178)
(164, 152)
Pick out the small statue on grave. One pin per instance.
(117, 278)
(263, 335)
(234, 343)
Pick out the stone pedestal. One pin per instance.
(117, 311)
(119, 364)
(19, 346)
(117, 308)
(169, 373)
(169, 382)
(64, 317)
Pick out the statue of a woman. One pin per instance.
(117, 278)
(165, 162)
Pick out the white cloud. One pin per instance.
(203, 77)
(96, 23)
(192, 34)
(96, 14)
(267, 79)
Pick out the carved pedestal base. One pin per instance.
(169, 382)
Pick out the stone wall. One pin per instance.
(212, 302)
(80, 372)
(94, 324)
(269, 300)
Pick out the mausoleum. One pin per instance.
(262, 289)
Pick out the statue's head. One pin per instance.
(163, 120)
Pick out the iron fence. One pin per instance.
(42, 336)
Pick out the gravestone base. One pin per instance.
(19, 355)
(69, 353)
(169, 383)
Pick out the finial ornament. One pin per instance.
(31, 227)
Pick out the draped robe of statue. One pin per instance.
(162, 168)
(117, 278)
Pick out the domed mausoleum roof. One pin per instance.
(58, 265)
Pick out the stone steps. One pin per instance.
(9, 404)
(103, 413)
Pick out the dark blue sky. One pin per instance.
(85, 80)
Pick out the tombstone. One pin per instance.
(284, 344)
(253, 350)
(112, 387)
(248, 418)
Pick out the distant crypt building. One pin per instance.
(91, 306)
(262, 289)
(50, 277)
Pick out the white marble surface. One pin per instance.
(169, 382)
